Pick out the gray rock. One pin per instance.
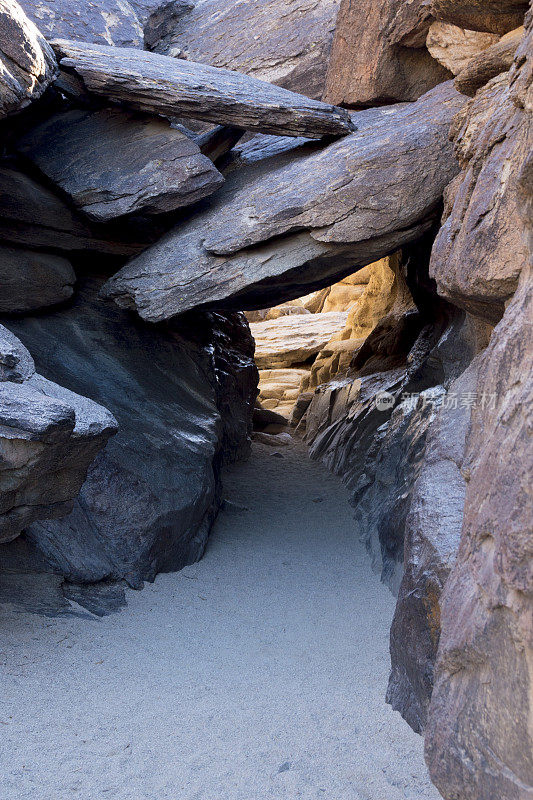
(111, 22)
(32, 280)
(286, 42)
(431, 541)
(174, 87)
(113, 163)
(33, 217)
(356, 200)
(150, 497)
(382, 496)
(28, 62)
(48, 438)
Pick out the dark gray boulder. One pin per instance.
(150, 497)
(113, 163)
(287, 224)
(28, 64)
(31, 280)
(173, 88)
(431, 540)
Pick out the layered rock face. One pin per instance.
(484, 658)
(150, 497)
(238, 252)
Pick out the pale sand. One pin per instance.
(258, 673)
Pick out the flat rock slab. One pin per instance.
(27, 62)
(174, 87)
(293, 339)
(294, 222)
(113, 163)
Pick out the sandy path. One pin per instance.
(258, 673)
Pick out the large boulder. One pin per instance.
(31, 280)
(183, 399)
(111, 22)
(455, 47)
(48, 438)
(379, 54)
(488, 63)
(292, 49)
(113, 163)
(479, 252)
(28, 64)
(279, 230)
(173, 87)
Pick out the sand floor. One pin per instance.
(258, 673)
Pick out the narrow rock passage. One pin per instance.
(259, 672)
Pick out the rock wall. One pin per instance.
(150, 498)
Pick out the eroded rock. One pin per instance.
(48, 438)
(112, 22)
(31, 280)
(479, 253)
(113, 163)
(28, 62)
(379, 54)
(455, 47)
(293, 339)
(174, 87)
(495, 16)
(430, 544)
(150, 497)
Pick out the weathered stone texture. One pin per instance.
(112, 22)
(48, 438)
(150, 497)
(173, 87)
(495, 16)
(479, 252)
(379, 54)
(292, 49)
(31, 280)
(27, 62)
(113, 163)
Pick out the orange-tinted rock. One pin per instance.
(379, 54)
